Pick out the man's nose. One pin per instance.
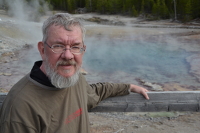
(67, 54)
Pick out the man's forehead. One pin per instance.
(66, 39)
(61, 34)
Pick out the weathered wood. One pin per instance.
(159, 101)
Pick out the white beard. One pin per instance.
(58, 80)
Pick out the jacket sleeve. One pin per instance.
(100, 91)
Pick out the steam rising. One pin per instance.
(26, 11)
(23, 26)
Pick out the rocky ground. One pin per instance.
(158, 122)
(18, 41)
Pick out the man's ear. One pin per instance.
(41, 50)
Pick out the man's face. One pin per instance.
(59, 35)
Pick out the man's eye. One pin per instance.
(75, 48)
(58, 46)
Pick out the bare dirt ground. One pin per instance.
(15, 61)
(158, 122)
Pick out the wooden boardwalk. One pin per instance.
(159, 101)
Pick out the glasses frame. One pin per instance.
(51, 47)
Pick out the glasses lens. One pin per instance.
(58, 48)
(61, 48)
(75, 49)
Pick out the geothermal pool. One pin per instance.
(121, 60)
(114, 59)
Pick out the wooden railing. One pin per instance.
(159, 101)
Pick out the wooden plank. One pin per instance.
(159, 101)
(184, 107)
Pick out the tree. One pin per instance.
(188, 11)
(163, 10)
(69, 6)
(119, 6)
(155, 9)
(142, 7)
(101, 6)
(175, 16)
(127, 6)
(111, 6)
(148, 5)
(195, 4)
(134, 12)
(188, 8)
(80, 3)
(88, 5)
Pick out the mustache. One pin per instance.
(66, 62)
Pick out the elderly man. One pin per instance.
(54, 97)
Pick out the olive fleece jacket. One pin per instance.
(31, 107)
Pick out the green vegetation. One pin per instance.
(152, 9)
(183, 10)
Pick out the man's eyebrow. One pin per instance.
(74, 44)
(77, 43)
(59, 42)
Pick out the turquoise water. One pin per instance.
(126, 60)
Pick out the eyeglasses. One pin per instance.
(59, 48)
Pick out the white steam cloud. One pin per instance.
(21, 9)
(23, 22)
